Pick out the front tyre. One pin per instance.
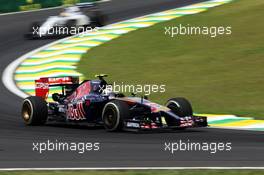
(180, 106)
(34, 111)
(113, 115)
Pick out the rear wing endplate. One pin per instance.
(42, 84)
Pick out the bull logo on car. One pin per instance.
(75, 111)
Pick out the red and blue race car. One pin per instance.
(86, 103)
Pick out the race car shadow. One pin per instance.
(46, 37)
(189, 130)
(74, 126)
(153, 131)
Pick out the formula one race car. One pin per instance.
(73, 20)
(91, 103)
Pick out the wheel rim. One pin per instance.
(110, 118)
(174, 107)
(26, 111)
(171, 106)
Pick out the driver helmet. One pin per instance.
(108, 92)
(68, 90)
(73, 9)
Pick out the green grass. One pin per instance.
(219, 75)
(152, 172)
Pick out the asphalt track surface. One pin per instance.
(116, 149)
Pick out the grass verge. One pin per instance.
(219, 75)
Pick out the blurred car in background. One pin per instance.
(72, 20)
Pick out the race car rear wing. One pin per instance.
(42, 84)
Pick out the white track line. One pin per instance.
(136, 168)
(8, 74)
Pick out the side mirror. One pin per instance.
(133, 94)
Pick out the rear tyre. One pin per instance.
(180, 106)
(34, 111)
(33, 31)
(71, 25)
(113, 115)
(97, 19)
